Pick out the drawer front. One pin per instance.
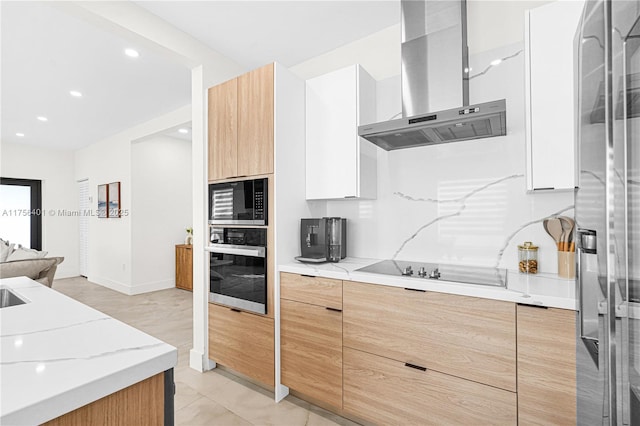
(463, 336)
(472, 338)
(311, 351)
(242, 342)
(385, 321)
(314, 290)
(546, 366)
(387, 392)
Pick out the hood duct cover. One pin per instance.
(435, 85)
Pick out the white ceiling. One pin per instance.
(254, 33)
(46, 52)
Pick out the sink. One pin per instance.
(9, 298)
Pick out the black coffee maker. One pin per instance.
(323, 240)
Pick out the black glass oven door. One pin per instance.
(238, 277)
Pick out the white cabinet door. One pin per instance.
(549, 44)
(339, 164)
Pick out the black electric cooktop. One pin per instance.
(439, 271)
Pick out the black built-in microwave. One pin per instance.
(238, 203)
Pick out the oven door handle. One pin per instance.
(251, 251)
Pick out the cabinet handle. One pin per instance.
(533, 306)
(417, 367)
(333, 309)
(415, 289)
(235, 310)
(308, 276)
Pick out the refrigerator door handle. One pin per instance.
(589, 291)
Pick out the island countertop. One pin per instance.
(58, 355)
(531, 289)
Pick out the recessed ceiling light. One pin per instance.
(42, 118)
(131, 53)
(496, 62)
(20, 135)
(75, 93)
(183, 131)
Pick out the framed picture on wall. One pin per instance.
(114, 199)
(103, 196)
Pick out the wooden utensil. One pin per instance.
(567, 226)
(553, 226)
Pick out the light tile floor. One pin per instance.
(212, 398)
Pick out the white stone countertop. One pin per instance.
(532, 289)
(58, 355)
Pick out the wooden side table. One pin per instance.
(184, 267)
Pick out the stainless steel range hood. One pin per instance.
(435, 84)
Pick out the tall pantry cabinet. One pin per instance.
(241, 125)
(256, 129)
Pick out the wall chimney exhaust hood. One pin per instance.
(435, 83)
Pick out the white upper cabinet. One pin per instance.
(549, 70)
(339, 164)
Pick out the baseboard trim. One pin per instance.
(152, 286)
(113, 285)
(199, 362)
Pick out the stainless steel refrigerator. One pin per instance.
(607, 47)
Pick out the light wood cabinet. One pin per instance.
(311, 336)
(241, 127)
(310, 289)
(223, 130)
(336, 104)
(546, 366)
(549, 123)
(385, 391)
(243, 342)
(142, 403)
(255, 122)
(467, 337)
(184, 267)
(311, 350)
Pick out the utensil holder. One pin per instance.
(567, 264)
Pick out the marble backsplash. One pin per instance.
(463, 202)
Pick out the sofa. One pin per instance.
(42, 270)
(24, 262)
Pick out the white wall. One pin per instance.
(59, 193)
(491, 24)
(110, 240)
(496, 23)
(464, 202)
(161, 209)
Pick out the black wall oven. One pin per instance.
(238, 268)
(238, 203)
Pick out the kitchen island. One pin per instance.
(61, 359)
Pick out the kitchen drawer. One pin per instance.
(243, 342)
(546, 366)
(387, 392)
(463, 336)
(311, 351)
(315, 290)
